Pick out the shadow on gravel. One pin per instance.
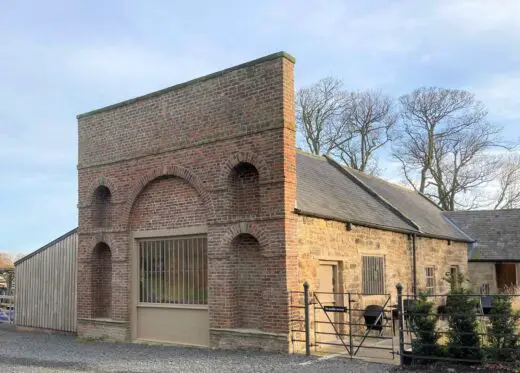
(44, 363)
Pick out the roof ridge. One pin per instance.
(381, 199)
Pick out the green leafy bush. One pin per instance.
(503, 335)
(461, 308)
(423, 320)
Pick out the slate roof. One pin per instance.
(326, 189)
(497, 233)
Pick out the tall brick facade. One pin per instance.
(216, 153)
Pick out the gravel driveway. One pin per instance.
(42, 352)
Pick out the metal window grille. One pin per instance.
(173, 270)
(430, 280)
(373, 275)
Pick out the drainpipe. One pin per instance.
(414, 265)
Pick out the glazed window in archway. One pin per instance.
(102, 207)
(245, 190)
(173, 270)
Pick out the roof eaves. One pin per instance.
(380, 198)
(355, 222)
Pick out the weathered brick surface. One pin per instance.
(187, 157)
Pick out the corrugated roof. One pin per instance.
(497, 232)
(326, 189)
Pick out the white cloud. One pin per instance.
(477, 17)
(500, 93)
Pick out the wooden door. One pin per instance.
(326, 293)
(506, 275)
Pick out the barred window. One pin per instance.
(173, 270)
(430, 280)
(373, 275)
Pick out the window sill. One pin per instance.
(173, 306)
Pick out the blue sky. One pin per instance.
(62, 58)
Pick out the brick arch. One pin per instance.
(173, 170)
(99, 181)
(264, 171)
(245, 228)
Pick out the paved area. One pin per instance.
(44, 353)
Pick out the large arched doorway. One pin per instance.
(170, 280)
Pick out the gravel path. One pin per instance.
(42, 353)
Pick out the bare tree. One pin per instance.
(367, 122)
(318, 113)
(508, 189)
(443, 142)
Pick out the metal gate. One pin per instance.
(352, 324)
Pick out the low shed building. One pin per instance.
(45, 296)
(494, 259)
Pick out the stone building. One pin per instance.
(198, 216)
(494, 259)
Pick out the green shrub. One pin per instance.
(423, 320)
(461, 308)
(503, 336)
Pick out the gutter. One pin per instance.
(353, 221)
(414, 264)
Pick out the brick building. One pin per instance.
(197, 216)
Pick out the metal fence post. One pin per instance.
(400, 317)
(307, 318)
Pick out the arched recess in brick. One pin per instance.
(101, 208)
(168, 171)
(245, 228)
(249, 270)
(243, 191)
(101, 181)
(264, 171)
(101, 281)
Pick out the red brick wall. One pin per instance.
(101, 280)
(244, 199)
(250, 279)
(167, 203)
(196, 133)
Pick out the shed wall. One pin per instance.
(46, 287)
